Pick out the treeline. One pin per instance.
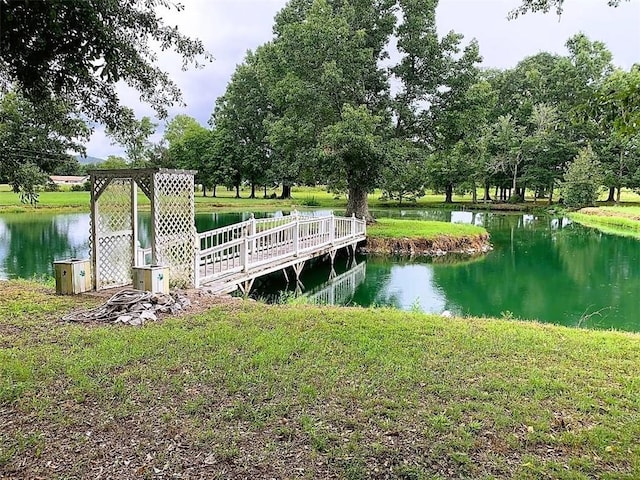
(327, 101)
(364, 94)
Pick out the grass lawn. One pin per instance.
(420, 229)
(303, 197)
(617, 220)
(248, 390)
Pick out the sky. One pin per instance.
(228, 28)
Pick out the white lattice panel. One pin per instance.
(175, 233)
(114, 235)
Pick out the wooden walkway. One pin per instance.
(233, 257)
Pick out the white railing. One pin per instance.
(254, 243)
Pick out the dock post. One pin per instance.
(245, 287)
(245, 254)
(296, 236)
(353, 224)
(332, 228)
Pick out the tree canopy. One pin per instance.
(546, 6)
(77, 51)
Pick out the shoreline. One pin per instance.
(615, 221)
(439, 246)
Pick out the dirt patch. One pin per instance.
(433, 247)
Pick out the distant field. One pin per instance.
(303, 197)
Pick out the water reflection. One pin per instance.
(29, 243)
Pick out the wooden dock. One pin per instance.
(232, 257)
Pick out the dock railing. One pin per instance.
(257, 242)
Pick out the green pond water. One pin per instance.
(542, 267)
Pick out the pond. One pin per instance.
(542, 267)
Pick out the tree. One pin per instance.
(190, 147)
(34, 143)
(243, 111)
(507, 146)
(113, 162)
(177, 127)
(434, 81)
(353, 154)
(76, 52)
(546, 6)
(322, 70)
(582, 180)
(136, 141)
(404, 173)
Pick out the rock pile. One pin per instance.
(133, 307)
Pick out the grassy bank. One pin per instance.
(390, 236)
(303, 197)
(611, 219)
(254, 391)
(417, 229)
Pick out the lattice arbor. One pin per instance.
(114, 220)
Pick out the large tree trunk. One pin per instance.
(487, 194)
(253, 190)
(358, 204)
(448, 194)
(618, 195)
(286, 191)
(612, 193)
(238, 191)
(214, 189)
(204, 190)
(474, 194)
(551, 193)
(265, 191)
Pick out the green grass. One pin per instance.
(302, 196)
(616, 220)
(255, 391)
(420, 229)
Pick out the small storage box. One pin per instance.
(72, 276)
(151, 279)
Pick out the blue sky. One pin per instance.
(229, 28)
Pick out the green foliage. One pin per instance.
(310, 202)
(241, 149)
(404, 174)
(53, 187)
(135, 140)
(582, 180)
(28, 179)
(546, 6)
(79, 51)
(34, 142)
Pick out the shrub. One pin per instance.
(79, 188)
(51, 187)
(582, 180)
(310, 202)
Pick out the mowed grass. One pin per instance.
(617, 220)
(303, 197)
(420, 229)
(255, 391)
